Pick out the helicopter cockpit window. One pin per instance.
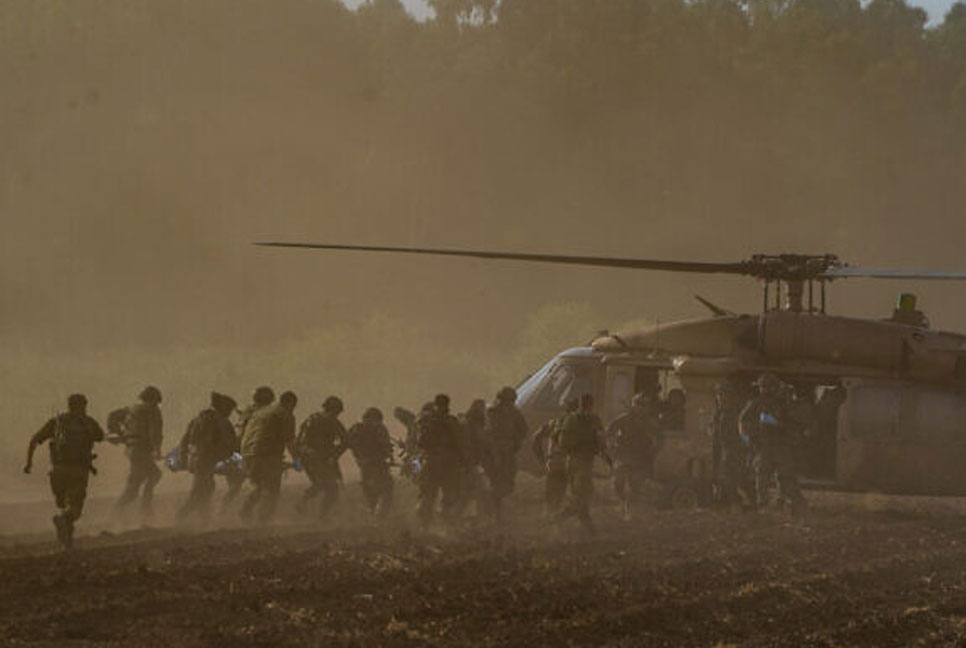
(564, 382)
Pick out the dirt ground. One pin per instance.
(858, 570)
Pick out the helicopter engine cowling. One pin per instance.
(881, 346)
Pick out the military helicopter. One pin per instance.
(882, 403)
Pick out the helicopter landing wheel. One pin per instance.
(684, 495)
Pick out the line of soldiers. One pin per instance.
(464, 460)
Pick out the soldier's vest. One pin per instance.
(504, 428)
(368, 442)
(209, 439)
(73, 441)
(318, 436)
(578, 434)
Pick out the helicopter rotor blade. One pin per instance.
(604, 262)
(851, 272)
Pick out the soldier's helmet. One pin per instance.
(428, 408)
(150, 394)
(263, 396)
(333, 405)
(769, 381)
(373, 415)
(441, 402)
(288, 399)
(477, 406)
(572, 404)
(222, 403)
(507, 395)
(76, 401)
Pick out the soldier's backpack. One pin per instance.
(72, 442)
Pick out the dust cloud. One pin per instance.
(146, 145)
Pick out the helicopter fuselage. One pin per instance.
(898, 426)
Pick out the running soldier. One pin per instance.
(71, 439)
(141, 433)
(546, 447)
(633, 440)
(321, 442)
(209, 439)
(441, 457)
(765, 422)
(729, 453)
(505, 431)
(580, 442)
(269, 432)
(234, 472)
(372, 449)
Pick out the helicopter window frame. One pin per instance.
(556, 391)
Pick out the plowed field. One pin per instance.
(856, 571)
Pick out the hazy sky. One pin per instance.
(936, 8)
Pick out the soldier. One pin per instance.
(320, 444)
(72, 437)
(268, 433)
(633, 440)
(546, 447)
(372, 449)
(764, 420)
(439, 447)
(505, 431)
(142, 436)
(580, 442)
(728, 450)
(208, 440)
(234, 472)
(475, 452)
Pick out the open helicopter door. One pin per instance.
(618, 391)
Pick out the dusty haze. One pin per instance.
(145, 145)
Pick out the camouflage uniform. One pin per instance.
(142, 436)
(729, 452)
(580, 443)
(765, 420)
(505, 431)
(372, 449)
(475, 452)
(209, 439)
(269, 431)
(235, 475)
(632, 438)
(439, 446)
(71, 438)
(321, 442)
(546, 447)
